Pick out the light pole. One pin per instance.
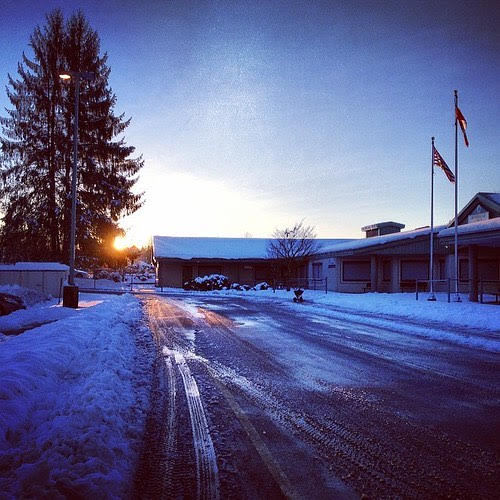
(70, 292)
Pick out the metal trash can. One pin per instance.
(70, 296)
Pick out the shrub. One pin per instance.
(102, 274)
(116, 277)
(262, 286)
(212, 282)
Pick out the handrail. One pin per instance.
(496, 291)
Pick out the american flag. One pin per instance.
(462, 122)
(438, 160)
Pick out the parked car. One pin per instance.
(10, 303)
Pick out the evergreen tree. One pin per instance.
(36, 158)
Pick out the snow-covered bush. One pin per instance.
(116, 277)
(212, 282)
(259, 286)
(102, 274)
(262, 286)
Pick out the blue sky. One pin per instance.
(252, 115)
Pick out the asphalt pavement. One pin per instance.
(251, 399)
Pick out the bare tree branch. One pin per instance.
(292, 245)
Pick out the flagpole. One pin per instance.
(457, 296)
(432, 296)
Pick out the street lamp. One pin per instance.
(70, 292)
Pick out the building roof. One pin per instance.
(474, 227)
(34, 266)
(485, 233)
(491, 201)
(176, 247)
(377, 241)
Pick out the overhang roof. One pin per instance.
(483, 232)
(377, 242)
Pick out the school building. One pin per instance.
(387, 259)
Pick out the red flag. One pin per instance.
(437, 159)
(463, 123)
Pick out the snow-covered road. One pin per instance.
(269, 398)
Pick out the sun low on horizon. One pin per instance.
(120, 243)
(129, 240)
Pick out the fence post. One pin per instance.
(449, 286)
(481, 290)
(60, 288)
(416, 289)
(326, 285)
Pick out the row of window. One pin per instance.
(410, 270)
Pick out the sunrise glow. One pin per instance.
(121, 242)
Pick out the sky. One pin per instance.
(252, 115)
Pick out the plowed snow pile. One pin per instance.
(71, 404)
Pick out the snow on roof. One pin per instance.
(34, 266)
(473, 227)
(176, 247)
(495, 197)
(381, 240)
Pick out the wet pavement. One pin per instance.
(251, 399)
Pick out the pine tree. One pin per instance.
(36, 160)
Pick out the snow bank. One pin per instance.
(28, 296)
(70, 404)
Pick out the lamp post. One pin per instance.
(70, 292)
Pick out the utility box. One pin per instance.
(70, 296)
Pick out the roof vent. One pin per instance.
(382, 228)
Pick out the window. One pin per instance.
(301, 271)
(463, 269)
(356, 270)
(317, 270)
(441, 269)
(187, 273)
(386, 270)
(263, 273)
(412, 270)
(488, 269)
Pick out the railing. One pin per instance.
(420, 284)
(304, 283)
(485, 287)
(109, 284)
(489, 287)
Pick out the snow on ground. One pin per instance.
(74, 392)
(72, 400)
(29, 297)
(440, 320)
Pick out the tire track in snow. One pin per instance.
(171, 440)
(207, 473)
(154, 475)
